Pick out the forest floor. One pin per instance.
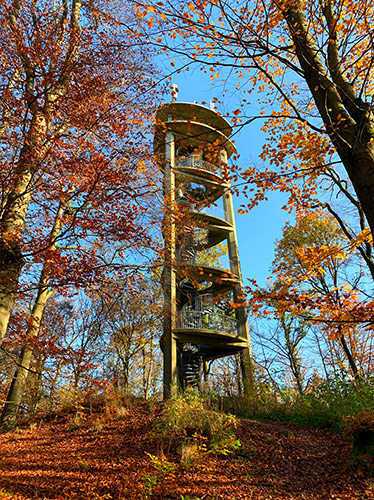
(106, 459)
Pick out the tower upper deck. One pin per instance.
(195, 122)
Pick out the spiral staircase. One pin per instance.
(192, 145)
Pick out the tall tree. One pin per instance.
(315, 281)
(75, 94)
(132, 314)
(77, 91)
(282, 347)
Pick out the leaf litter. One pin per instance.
(110, 462)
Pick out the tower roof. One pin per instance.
(194, 112)
(195, 121)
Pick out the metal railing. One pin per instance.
(214, 210)
(187, 255)
(191, 161)
(196, 208)
(192, 256)
(202, 320)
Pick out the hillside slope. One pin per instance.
(106, 459)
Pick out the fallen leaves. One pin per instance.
(276, 461)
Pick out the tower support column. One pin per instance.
(170, 281)
(246, 362)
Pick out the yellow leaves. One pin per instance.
(364, 237)
(314, 259)
(141, 166)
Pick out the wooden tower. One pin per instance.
(193, 146)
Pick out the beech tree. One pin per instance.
(132, 316)
(75, 95)
(314, 280)
(280, 348)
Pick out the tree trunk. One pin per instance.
(13, 214)
(14, 398)
(9, 414)
(147, 370)
(10, 268)
(350, 358)
(8, 417)
(12, 223)
(349, 120)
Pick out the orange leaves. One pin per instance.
(144, 10)
(298, 156)
(256, 44)
(81, 120)
(309, 278)
(216, 75)
(364, 237)
(140, 13)
(313, 259)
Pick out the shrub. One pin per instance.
(187, 416)
(163, 471)
(361, 429)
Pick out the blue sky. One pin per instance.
(257, 230)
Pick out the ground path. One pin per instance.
(105, 459)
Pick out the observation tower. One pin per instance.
(203, 317)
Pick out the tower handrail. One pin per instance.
(211, 210)
(206, 320)
(193, 162)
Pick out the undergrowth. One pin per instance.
(326, 405)
(191, 418)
